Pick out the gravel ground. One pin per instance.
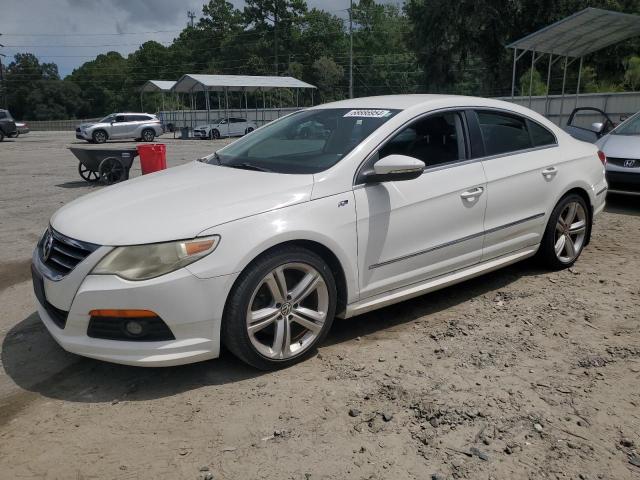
(520, 374)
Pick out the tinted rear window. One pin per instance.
(540, 135)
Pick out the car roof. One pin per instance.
(425, 102)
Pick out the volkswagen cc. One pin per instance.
(332, 211)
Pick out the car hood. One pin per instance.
(87, 125)
(620, 146)
(201, 127)
(177, 203)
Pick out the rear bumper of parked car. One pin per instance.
(191, 307)
(624, 180)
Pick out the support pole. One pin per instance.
(513, 75)
(208, 105)
(533, 63)
(564, 82)
(579, 79)
(226, 108)
(141, 107)
(546, 100)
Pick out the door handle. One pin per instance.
(549, 172)
(472, 194)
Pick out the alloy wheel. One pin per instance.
(287, 311)
(570, 233)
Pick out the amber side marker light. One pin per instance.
(123, 313)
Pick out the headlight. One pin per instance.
(142, 262)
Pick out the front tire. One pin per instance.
(566, 233)
(99, 136)
(215, 134)
(281, 307)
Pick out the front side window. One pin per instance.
(503, 132)
(2, 115)
(309, 141)
(436, 139)
(121, 118)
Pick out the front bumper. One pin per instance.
(625, 181)
(190, 306)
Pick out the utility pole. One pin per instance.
(275, 31)
(350, 48)
(3, 89)
(192, 15)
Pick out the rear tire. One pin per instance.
(99, 136)
(280, 308)
(566, 233)
(248, 130)
(148, 135)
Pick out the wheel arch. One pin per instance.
(323, 252)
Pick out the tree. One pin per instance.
(328, 75)
(276, 18)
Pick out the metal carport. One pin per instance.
(223, 84)
(573, 37)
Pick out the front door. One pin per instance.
(409, 231)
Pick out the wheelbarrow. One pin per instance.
(105, 165)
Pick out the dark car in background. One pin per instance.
(7, 125)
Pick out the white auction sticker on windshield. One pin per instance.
(368, 113)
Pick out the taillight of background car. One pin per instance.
(602, 157)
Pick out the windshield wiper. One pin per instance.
(248, 166)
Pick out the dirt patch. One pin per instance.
(12, 273)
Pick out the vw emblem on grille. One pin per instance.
(629, 163)
(47, 244)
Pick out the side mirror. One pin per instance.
(395, 168)
(597, 127)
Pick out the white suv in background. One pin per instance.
(224, 127)
(119, 126)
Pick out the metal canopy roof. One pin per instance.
(583, 32)
(158, 86)
(196, 82)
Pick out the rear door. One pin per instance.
(521, 166)
(409, 231)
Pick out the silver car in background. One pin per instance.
(118, 126)
(622, 148)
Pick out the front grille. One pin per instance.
(61, 254)
(620, 162)
(113, 328)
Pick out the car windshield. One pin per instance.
(305, 142)
(630, 127)
(108, 119)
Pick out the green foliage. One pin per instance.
(538, 86)
(632, 73)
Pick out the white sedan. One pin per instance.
(336, 210)
(224, 127)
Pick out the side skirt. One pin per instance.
(432, 284)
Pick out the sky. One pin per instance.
(71, 32)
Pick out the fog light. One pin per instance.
(134, 328)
